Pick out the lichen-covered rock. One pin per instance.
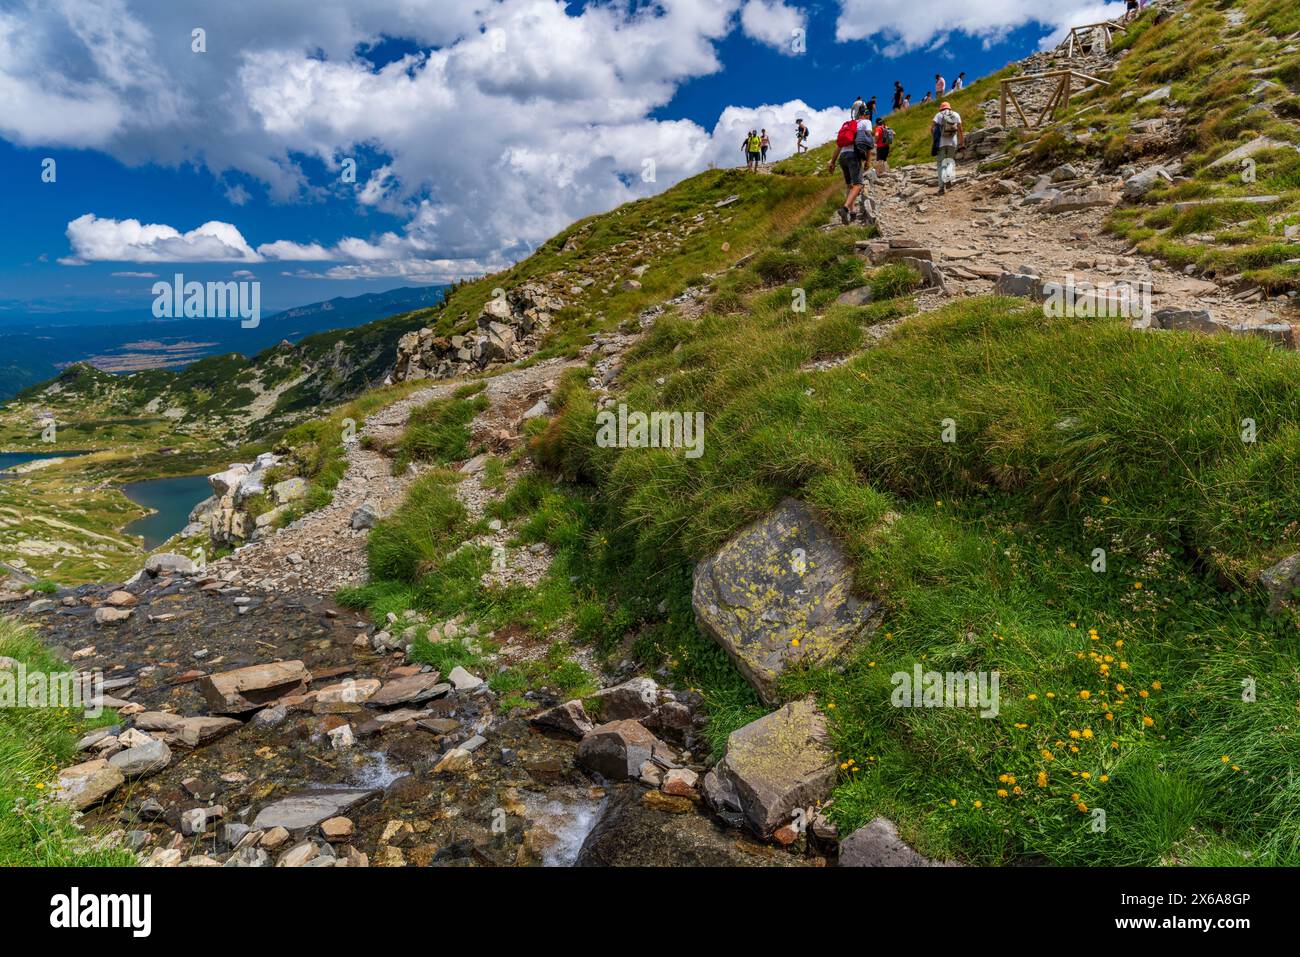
(85, 785)
(773, 766)
(779, 594)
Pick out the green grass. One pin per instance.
(34, 743)
(438, 431)
(1072, 435)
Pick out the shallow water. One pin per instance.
(171, 499)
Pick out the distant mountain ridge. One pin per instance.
(123, 342)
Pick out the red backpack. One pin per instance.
(846, 134)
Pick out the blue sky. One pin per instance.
(476, 129)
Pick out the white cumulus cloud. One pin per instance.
(128, 240)
(774, 23)
(909, 25)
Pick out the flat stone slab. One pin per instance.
(778, 594)
(409, 690)
(85, 785)
(247, 689)
(1258, 145)
(309, 808)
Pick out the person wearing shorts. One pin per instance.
(882, 149)
(852, 162)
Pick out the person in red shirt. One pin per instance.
(884, 139)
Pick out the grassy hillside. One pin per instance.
(677, 237)
(983, 549)
(1122, 686)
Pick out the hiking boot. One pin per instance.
(845, 215)
(942, 190)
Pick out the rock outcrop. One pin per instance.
(510, 327)
(780, 594)
(245, 502)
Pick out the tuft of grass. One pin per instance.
(36, 830)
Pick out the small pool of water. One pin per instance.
(171, 499)
(9, 459)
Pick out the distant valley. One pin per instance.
(35, 347)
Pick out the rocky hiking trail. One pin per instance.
(263, 725)
(325, 550)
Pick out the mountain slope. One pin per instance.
(1170, 452)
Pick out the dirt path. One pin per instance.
(321, 552)
(976, 232)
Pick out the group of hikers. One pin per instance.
(863, 143)
(903, 99)
(755, 145)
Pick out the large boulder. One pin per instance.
(247, 689)
(779, 594)
(773, 766)
(617, 750)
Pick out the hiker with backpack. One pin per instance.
(884, 140)
(763, 143)
(949, 135)
(958, 83)
(800, 136)
(853, 147)
(898, 96)
(871, 109)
